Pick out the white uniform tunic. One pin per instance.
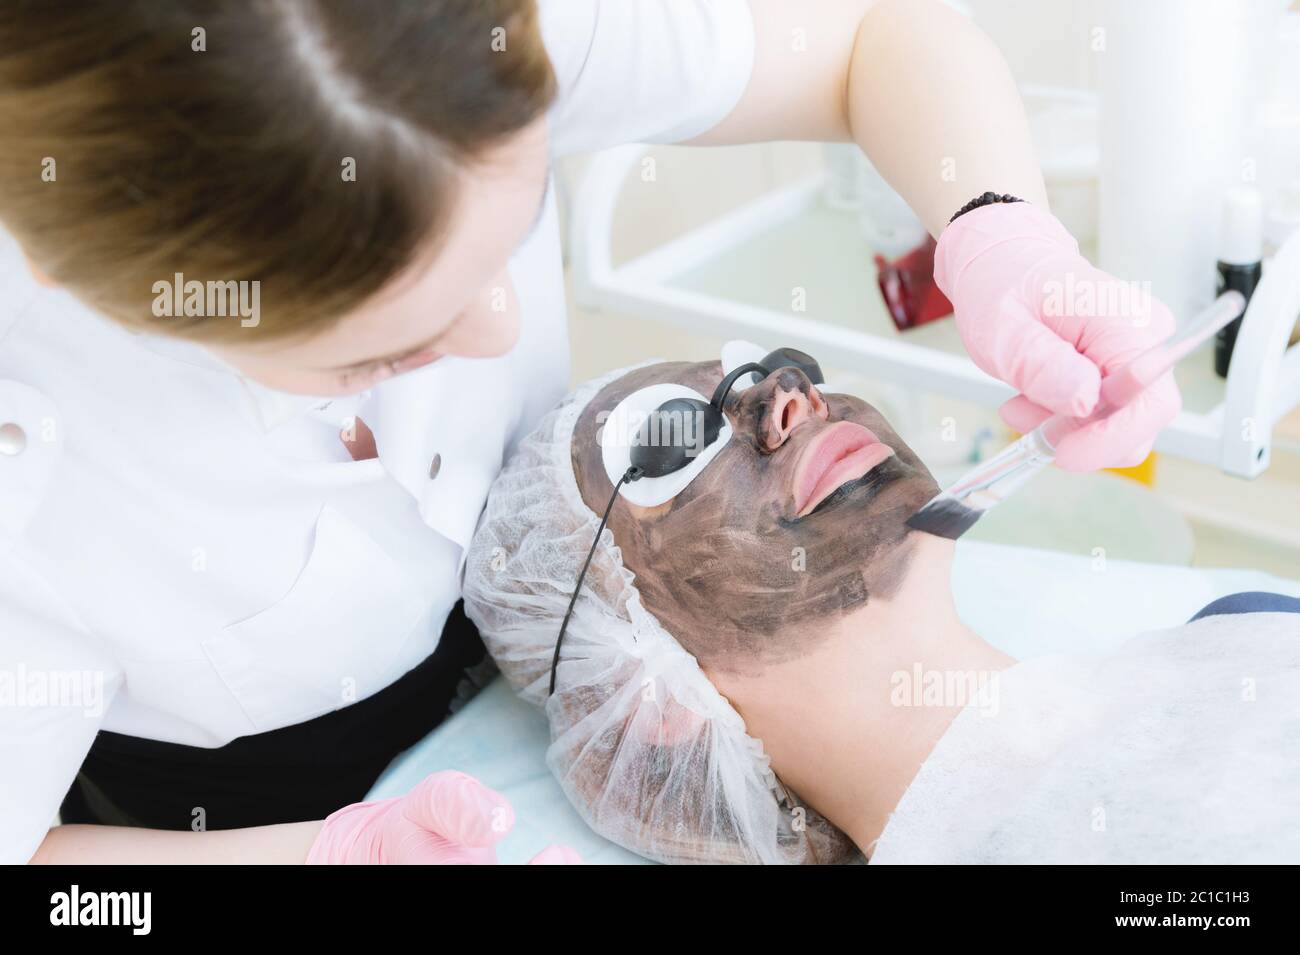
(187, 556)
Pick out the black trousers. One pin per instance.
(293, 774)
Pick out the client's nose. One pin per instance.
(778, 404)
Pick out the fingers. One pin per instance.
(1112, 341)
(556, 855)
(1022, 415)
(1016, 347)
(421, 847)
(1124, 439)
(1134, 457)
(459, 808)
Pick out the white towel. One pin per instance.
(1181, 746)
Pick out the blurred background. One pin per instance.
(1156, 123)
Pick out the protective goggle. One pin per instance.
(658, 439)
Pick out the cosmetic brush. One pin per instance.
(953, 512)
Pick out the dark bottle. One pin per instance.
(1240, 261)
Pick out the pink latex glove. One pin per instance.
(448, 819)
(1035, 313)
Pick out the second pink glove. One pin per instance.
(450, 818)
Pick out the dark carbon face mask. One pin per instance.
(659, 439)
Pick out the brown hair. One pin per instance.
(226, 164)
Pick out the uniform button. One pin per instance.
(12, 439)
(435, 466)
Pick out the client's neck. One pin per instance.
(849, 723)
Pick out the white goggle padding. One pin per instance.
(620, 433)
(737, 352)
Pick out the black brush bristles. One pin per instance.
(945, 517)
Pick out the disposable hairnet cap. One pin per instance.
(646, 749)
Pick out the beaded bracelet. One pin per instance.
(988, 199)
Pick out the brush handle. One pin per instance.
(1006, 470)
(1051, 431)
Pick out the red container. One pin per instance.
(909, 289)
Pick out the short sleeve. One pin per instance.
(55, 686)
(652, 71)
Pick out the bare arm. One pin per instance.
(919, 87)
(286, 844)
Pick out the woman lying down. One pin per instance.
(764, 664)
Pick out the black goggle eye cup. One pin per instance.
(674, 435)
(772, 361)
(790, 358)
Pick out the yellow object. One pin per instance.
(1144, 473)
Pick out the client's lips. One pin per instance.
(843, 452)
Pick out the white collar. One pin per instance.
(270, 407)
(274, 408)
